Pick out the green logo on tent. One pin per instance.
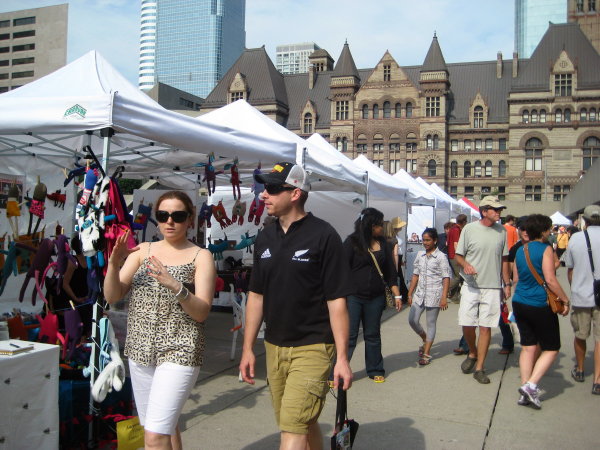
(75, 112)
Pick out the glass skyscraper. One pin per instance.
(531, 22)
(190, 44)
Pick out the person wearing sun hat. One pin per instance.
(299, 283)
(482, 254)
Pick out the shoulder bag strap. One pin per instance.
(534, 272)
(587, 240)
(377, 266)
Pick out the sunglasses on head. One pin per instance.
(274, 189)
(177, 216)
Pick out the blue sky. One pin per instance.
(468, 30)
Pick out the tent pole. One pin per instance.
(366, 178)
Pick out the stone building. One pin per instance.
(587, 14)
(523, 129)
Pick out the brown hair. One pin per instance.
(177, 195)
(461, 219)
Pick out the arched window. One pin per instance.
(592, 114)
(488, 168)
(398, 109)
(525, 116)
(375, 111)
(344, 144)
(583, 114)
(436, 142)
(387, 110)
(533, 154)
(308, 123)
(534, 116)
(454, 169)
(478, 117)
(542, 116)
(338, 144)
(431, 168)
(365, 111)
(408, 110)
(591, 151)
(502, 168)
(467, 169)
(477, 169)
(567, 115)
(558, 115)
(429, 142)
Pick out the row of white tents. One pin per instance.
(45, 124)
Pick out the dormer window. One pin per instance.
(563, 84)
(238, 89)
(478, 117)
(308, 123)
(233, 96)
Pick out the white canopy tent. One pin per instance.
(47, 122)
(559, 219)
(443, 206)
(327, 172)
(472, 213)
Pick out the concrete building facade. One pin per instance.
(587, 14)
(293, 58)
(33, 43)
(522, 129)
(189, 44)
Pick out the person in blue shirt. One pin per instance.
(538, 325)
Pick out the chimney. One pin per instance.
(312, 75)
(499, 65)
(515, 64)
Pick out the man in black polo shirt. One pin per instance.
(299, 284)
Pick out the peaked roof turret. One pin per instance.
(434, 61)
(345, 64)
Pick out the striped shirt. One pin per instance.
(431, 269)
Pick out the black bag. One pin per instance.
(596, 282)
(345, 429)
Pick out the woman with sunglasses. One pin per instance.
(368, 254)
(165, 329)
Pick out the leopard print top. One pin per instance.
(158, 329)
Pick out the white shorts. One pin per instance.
(479, 307)
(160, 393)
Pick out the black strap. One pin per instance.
(589, 246)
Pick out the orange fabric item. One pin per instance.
(512, 236)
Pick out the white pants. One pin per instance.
(160, 393)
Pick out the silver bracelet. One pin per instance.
(182, 294)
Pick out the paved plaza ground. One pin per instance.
(431, 407)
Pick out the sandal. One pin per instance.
(577, 375)
(425, 359)
(421, 350)
(379, 379)
(596, 389)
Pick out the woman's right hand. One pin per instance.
(409, 299)
(120, 251)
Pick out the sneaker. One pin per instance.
(468, 365)
(533, 395)
(481, 377)
(523, 401)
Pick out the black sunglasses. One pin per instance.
(274, 189)
(177, 216)
(495, 209)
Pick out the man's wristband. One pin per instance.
(397, 296)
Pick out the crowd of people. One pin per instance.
(314, 291)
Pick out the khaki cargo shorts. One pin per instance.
(297, 378)
(582, 320)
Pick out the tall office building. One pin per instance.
(33, 43)
(190, 44)
(531, 22)
(293, 58)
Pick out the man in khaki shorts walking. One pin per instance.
(300, 280)
(482, 254)
(586, 313)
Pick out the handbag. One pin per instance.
(345, 429)
(556, 304)
(389, 295)
(596, 282)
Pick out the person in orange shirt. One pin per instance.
(512, 236)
